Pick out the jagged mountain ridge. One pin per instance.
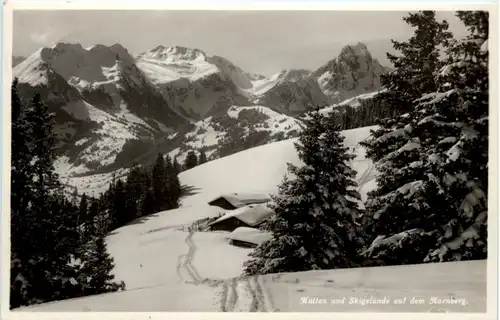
(100, 99)
(199, 86)
(202, 85)
(128, 106)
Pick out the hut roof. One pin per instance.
(250, 235)
(251, 215)
(242, 199)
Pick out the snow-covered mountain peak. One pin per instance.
(352, 73)
(73, 63)
(121, 53)
(294, 74)
(238, 76)
(255, 76)
(173, 54)
(32, 70)
(63, 47)
(97, 52)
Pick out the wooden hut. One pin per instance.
(248, 216)
(248, 237)
(238, 200)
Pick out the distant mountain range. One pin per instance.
(113, 108)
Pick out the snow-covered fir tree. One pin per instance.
(314, 226)
(461, 159)
(191, 160)
(413, 73)
(203, 157)
(96, 268)
(173, 184)
(431, 199)
(45, 233)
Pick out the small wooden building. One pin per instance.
(228, 224)
(248, 216)
(248, 237)
(237, 200)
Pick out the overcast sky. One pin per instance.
(257, 41)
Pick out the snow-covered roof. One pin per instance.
(252, 215)
(242, 199)
(250, 235)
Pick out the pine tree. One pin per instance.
(20, 223)
(462, 156)
(93, 218)
(97, 269)
(431, 188)
(82, 218)
(173, 183)
(102, 221)
(42, 149)
(413, 74)
(119, 200)
(39, 211)
(177, 166)
(74, 197)
(314, 225)
(146, 204)
(203, 157)
(160, 184)
(133, 190)
(191, 160)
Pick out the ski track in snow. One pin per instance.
(366, 176)
(231, 295)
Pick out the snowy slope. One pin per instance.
(444, 287)
(167, 268)
(262, 168)
(353, 102)
(356, 101)
(239, 122)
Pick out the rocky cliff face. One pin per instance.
(352, 73)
